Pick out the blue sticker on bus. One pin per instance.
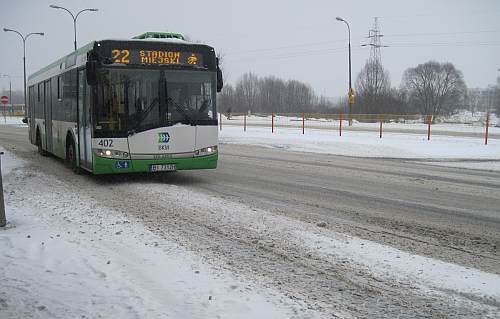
(122, 164)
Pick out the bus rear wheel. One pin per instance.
(71, 158)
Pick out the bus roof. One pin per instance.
(166, 37)
(82, 50)
(160, 35)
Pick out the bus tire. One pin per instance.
(71, 157)
(39, 145)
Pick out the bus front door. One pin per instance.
(84, 123)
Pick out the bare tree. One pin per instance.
(434, 88)
(373, 88)
(473, 101)
(227, 99)
(271, 94)
(247, 90)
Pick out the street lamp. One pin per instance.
(24, 56)
(73, 16)
(350, 96)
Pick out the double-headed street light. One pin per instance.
(24, 56)
(73, 16)
(350, 96)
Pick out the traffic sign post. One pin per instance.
(3, 220)
(4, 100)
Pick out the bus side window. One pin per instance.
(59, 88)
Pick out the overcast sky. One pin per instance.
(286, 38)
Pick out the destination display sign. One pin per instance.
(156, 57)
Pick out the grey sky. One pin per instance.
(288, 39)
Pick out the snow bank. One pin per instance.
(63, 256)
(364, 144)
(385, 263)
(11, 120)
(390, 263)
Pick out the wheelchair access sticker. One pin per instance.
(122, 164)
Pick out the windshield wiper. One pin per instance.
(143, 116)
(184, 110)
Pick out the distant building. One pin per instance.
(15, 109)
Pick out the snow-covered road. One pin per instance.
(65, 256)
(270, 234)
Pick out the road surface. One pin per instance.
(449, 214)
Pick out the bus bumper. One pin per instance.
(102, 165)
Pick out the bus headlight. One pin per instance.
(206, 151)
(111, 153)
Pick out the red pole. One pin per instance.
(429, 120)
(302, 123)
(381, 120)
(340, 126)
(487, 125)
(272, 123)
(244, 122)
(220, 121)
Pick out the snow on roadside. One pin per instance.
(482, 165)
(463, 122)
(12, 120)
(387, 262)
(364, 144)
(63, 256)
(384, 262)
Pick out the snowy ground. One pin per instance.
(64, 257)
(11, 120)
(443, 149)
(67, 257)
(463, 122)
(92, 255)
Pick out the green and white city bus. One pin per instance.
(146, 104)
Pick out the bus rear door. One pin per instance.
(47, 100)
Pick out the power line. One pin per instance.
(286, 47)
(300, 45)
(440, 33)
(321, 52)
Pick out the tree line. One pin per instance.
(271, 94)
(431, 88)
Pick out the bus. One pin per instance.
(146, 104)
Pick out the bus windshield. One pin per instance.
(134, 100)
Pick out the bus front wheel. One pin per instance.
(39, 145)
(71, 157)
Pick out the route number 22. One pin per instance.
(120, 56)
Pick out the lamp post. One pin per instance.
(73, 16)
(350, 95)
(24, 56)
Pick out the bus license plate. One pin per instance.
(162, 168)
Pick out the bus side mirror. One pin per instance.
(91, 72)
(25, 120)
(220, 82)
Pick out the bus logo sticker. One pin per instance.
(163, 137)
